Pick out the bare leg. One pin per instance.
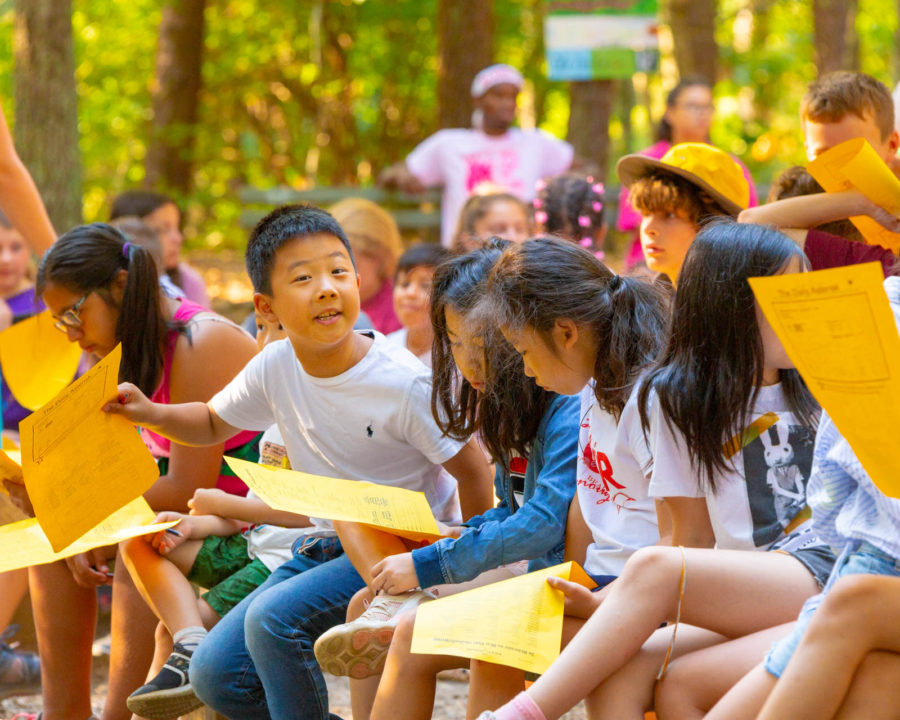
(131, 650)
(64, 617)
(409, 681)
(14, 584)
(733, 593)
(859, 614)
(628, 693)
(698, 680)
(875, 692)
(161, 581)
(366, 546)
(362, 692)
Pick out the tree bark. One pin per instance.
(833, 22)
(693, 24)
(175, 95)
(465, 46)
(46, 128)
(591, 104)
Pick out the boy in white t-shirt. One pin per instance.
(492, 151)
(348, 405)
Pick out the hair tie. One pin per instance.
(586, 242)
(584, 221)
(540, 217)
(125, 248)
(614, 283)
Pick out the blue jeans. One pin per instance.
(858, 558)
(258, 662)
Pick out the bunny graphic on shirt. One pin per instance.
(783, 476)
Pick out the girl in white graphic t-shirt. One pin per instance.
(722, 380)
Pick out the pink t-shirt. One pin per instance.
(380, 309)
(460, 160)
(158, 445)
(630, 219)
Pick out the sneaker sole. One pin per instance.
(164, 704)
(357, 654)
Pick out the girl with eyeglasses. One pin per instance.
(103, 290)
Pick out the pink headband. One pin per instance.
(495, 75)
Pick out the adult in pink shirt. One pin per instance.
(688, 118)
(492, 152)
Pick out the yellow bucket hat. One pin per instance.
(707, 167)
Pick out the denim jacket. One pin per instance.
(508, 533)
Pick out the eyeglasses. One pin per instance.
(70, 319)
(697, 109)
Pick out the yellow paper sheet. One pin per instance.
(402, 512)
(23, 543)
(516, 622)
(854, 164)
(838, 329)
(38, 360)
(81, 464)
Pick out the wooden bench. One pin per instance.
(415, 214)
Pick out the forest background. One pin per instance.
(202, 97)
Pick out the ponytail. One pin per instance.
(536, 283)
(630, 333)
(88, 258)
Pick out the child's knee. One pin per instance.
(404, 631)
(654, 565)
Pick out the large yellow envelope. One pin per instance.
(397, 510)
(516, 622)
(854, 164)
(38, 360)
(23, 543)
(81, 464)
(838, 329)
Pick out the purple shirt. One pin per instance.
(23, 306)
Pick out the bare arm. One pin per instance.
(243, 509)
(474, 479)
(810, 210)
(578, 534)
(399, 177)
(200, 368)
(19, 196)
(690, 522)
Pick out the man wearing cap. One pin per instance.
(491, 153)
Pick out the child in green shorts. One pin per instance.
(228, 544)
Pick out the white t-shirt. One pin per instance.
(372, 422)
(614, 467)
(766, 487)
(272, 544)
(461, 159)
(398, 337)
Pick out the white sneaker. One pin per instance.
(358, 648)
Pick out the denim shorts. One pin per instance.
(859, 558)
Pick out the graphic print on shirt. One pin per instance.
(517, 467)
(777, 466)
(274, 454)
(596, 473)
(499, 167)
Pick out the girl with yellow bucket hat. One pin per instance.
(676, 194)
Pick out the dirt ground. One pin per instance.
(450, 703)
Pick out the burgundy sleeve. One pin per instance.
(825, 250)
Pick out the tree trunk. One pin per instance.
(175, 95)
(465, 46)
(834, 22)
(46, 128)
(693, 24)
(591, 104)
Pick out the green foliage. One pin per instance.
(332, 91)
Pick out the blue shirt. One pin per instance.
(507, 533)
